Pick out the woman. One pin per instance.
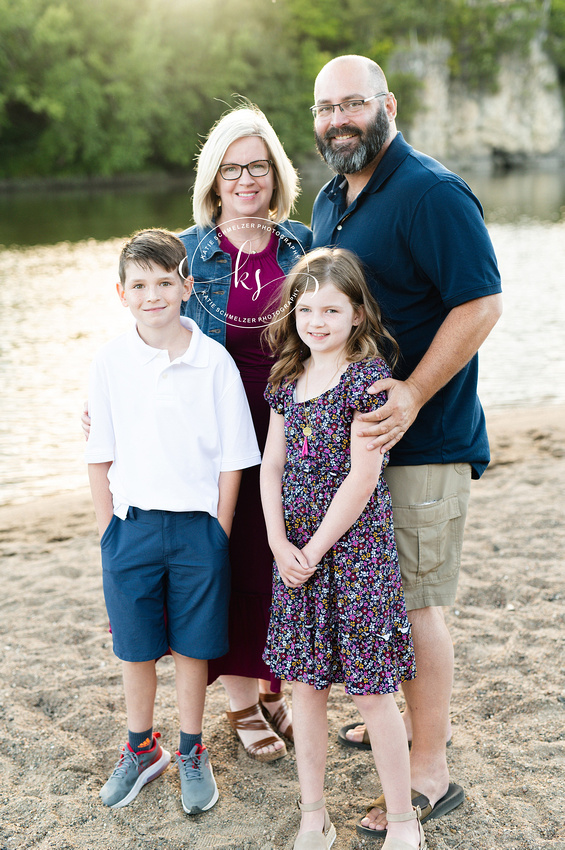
(239, 252)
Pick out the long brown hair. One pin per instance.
(369, 338)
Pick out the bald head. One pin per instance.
(358, 75)
(353, 141)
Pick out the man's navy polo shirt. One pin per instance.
(419, 230)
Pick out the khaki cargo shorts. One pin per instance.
(429, 507)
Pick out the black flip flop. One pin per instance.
(365, 744)
(453, 798)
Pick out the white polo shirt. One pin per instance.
(169, 428)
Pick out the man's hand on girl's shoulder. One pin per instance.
(393, 418)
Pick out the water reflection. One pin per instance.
(44, 218)
(56, 307)
(520, 196)
(522, 361)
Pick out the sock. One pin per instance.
(187, 742)
(141, 741)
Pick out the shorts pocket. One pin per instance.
(109, 531)
(221, 532)
(429, 539)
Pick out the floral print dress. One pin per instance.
(348, 622)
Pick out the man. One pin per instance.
(431, 266)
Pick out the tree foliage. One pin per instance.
(102, 87)
(554, 22)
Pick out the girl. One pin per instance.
(338, 612)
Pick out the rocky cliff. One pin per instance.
(521, 123)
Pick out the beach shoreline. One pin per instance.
(61, 707)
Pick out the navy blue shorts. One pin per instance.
(154, 559)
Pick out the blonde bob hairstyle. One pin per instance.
(241, 122)
(368, 339)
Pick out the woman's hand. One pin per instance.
(85, 421)
(292, 564)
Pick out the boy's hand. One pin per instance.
(103, 524)
(292, 565)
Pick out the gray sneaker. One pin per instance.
(199, 791)
(132, 771)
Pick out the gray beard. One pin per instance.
(367, 149)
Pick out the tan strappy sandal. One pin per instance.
(281, 715)
(315, 840)
(244, 719)
(396, 843)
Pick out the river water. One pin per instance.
(58, 305)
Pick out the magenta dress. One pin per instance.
(250, 555)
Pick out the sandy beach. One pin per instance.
(62, 716)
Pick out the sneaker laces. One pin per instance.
(191, 763)
(126, 757)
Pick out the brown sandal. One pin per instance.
(244, 719)
(281, 714)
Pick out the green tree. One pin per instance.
(97, 87)
(554, 23)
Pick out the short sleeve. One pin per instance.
(239, 449)
(450, 243)
(361, 376)
(277, 398)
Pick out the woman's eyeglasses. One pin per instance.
(257, 168)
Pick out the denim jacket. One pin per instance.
(212, 271)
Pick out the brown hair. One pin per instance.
(153, 245)
(369, 338)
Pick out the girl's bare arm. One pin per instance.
(291, 563)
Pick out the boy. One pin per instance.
(171, 432)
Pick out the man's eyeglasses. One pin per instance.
(257, 168)
(348, 107)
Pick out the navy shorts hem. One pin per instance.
(166, 581)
